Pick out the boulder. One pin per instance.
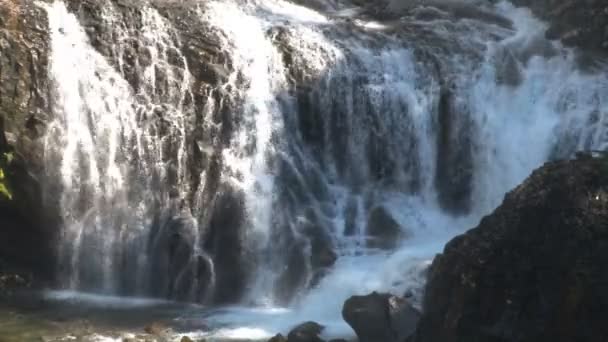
(533, 270)
(383, 230)
(380, 317)
(306, 332)
(278, 338)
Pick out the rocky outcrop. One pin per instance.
(28, 226)
(576, 23)
(306, 332)
(380, 317)
(534, 270)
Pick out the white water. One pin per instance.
(114, 162)
(95, 96)
(258, 64)
(517, 129)
(514, 129)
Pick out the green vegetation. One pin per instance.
(6, 159)
(9, 157)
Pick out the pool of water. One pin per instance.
(70, 316)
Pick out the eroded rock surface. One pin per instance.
(533, 270)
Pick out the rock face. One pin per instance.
(534, 270)
(576, 23)
(26, 240)
(380, 317)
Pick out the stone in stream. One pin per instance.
(306, 332)
(380, 317)
(383, 229)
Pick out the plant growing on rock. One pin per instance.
(6, 159)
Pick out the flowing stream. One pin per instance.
(331, 152)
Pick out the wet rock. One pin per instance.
(350, 217)
(24, 112)
(508, 71)
(278, 338)
(384, 231)
(225, 244)
(576, 23)
(306, 332)
(11, 282)
(454, 174)
(533, 270)
(156, 328)
(380, 317)
(322, 250)
(295, 274)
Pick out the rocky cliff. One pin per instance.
(534, 270)
(28, 227)
(576, 23)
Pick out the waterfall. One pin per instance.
(312, 155)
(120, 148)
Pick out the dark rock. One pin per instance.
(278, 338)
(533, 270)
(508, 70)
(350, 217)
(225, 243)
(383, 230)
(186, 339)
(24, 110)
(306, 332)
(321, 246)
(295, 273)
(380, 317)
(11, 282)
(576, 23)
(454, 172)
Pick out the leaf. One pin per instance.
(9, 157)
(4, 191)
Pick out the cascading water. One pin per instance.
(121, 149)
(331, 155)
